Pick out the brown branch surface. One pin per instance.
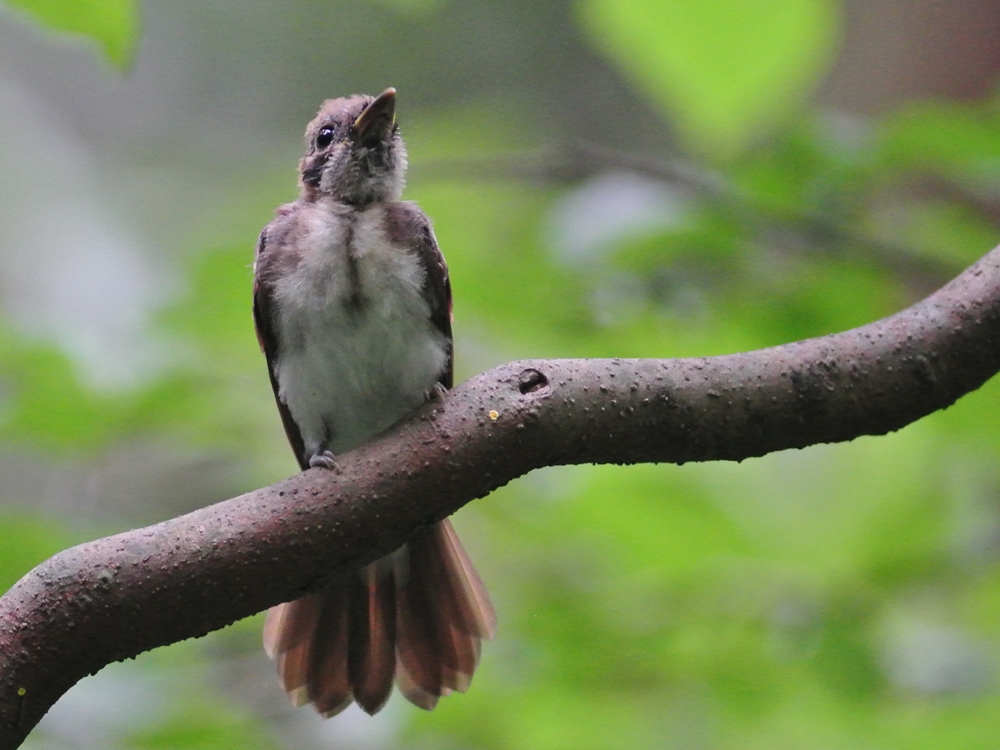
(117, 597)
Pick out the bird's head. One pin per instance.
(354, 153)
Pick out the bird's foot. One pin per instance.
(436, 393)
(324, 460)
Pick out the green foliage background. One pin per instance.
(842, 596)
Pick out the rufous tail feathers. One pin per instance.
(415, 617)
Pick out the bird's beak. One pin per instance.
(381, 111)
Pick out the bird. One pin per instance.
(353, 312)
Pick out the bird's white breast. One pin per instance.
(349, 369)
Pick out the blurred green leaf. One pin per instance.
(959, 140)
(27, 541)
(410, 7)
(942, 230)
(113, 24)
(47, 404)
(216, 727)
(722, 71)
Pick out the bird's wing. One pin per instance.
(410, 227)
(267, 256)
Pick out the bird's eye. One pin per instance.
(324, 137)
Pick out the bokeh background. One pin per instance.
(638, 178)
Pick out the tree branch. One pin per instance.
(116, 597)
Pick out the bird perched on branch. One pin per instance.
(352, 305)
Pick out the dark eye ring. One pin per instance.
(324, 137)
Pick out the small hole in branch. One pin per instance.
(531, 381)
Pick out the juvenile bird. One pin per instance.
(352, 306)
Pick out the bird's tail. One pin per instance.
(415, 617)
